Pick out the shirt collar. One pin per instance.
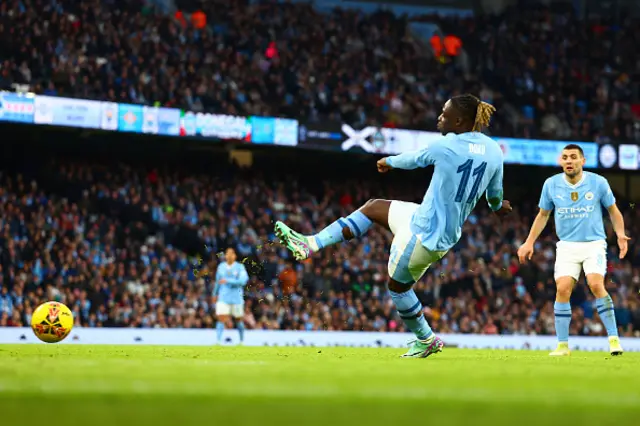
(574, 185)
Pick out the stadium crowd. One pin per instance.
(566, 78)
(111, 241)
(571, 79)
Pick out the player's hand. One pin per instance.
(222, 281)
(623, 245)
(505, 209)
(525, 252)
(383, 167)
(215, 299)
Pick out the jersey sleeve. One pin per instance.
(607, 199)
(494, 189)
(546, 203)
(414, 159)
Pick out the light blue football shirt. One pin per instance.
(232, 291)
(578, 208)
(466, 165)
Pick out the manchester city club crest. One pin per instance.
(574, 196)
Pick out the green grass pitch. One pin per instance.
(158, 385)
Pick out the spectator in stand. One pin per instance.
(569, 78)
(109, 242)
(565, 78)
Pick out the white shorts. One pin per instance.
(572, 258)
(409, 259)
(236, 311)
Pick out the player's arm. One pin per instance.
(525, 252)
(494, 190)
(216, 287)
(539, 223)
(608, 201)
(617, 220)
(411, 160)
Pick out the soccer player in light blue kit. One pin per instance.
(467, 163)
(228, 293)
(578, 198)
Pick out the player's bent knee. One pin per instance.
(596, 285)
(564, 287)
(367, 205)
(563, 295)
(377, 210)
(598, 291)
(564, 290)
(595, 280)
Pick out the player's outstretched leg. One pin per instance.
(562, 311)
(343, 229)
(606, 311)
(410, 310)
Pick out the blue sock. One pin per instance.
(357, 222)
(605, 309)
(410, 310)
(562, 312)
(219, 329)
(240, 326)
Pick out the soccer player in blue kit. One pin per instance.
(578, 198)
(466, 164)
(228, 293)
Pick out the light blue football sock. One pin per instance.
(410, 310)
(240, 326)
(219, 330)
(607, 313)
(330, 235)
(357, 222)
(562, 313)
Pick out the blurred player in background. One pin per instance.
(228, 293)
(467, 163)
(577, 197)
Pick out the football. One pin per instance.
(51, 322)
